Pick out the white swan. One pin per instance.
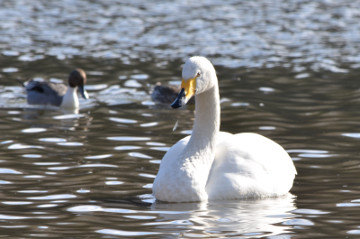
(214, 165)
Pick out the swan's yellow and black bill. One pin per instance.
(188, 88)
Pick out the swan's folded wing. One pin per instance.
(249, 165)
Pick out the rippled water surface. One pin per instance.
(287, 69)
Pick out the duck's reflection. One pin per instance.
(228, 218)
(64, 119)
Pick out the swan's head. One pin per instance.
(77, 78)
(198, 75)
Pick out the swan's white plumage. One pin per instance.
(213, 165)
(249, 165)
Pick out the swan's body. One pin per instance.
(214, 165)
(47, 93)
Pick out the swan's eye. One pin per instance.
(198, 74)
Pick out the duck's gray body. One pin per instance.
(45, 93)
(166, 94)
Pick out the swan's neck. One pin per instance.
(199, 153)
(183, 174)
(206, 125)
(70, 99)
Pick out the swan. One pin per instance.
(214, 165)
(47, 93)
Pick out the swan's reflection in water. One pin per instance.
(256, 218)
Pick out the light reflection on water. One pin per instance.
(91, 173)
(203, 219)
(303, 35)
(287, 70)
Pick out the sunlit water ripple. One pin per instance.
(301, 35)
(287, 69)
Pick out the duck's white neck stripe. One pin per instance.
(70, 100)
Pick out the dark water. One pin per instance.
(288, 70)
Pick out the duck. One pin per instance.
(211, 164)
(166, 94)
(60, 95)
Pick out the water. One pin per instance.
(288, 70)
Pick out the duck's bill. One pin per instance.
(187, 91)
(83, 92)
